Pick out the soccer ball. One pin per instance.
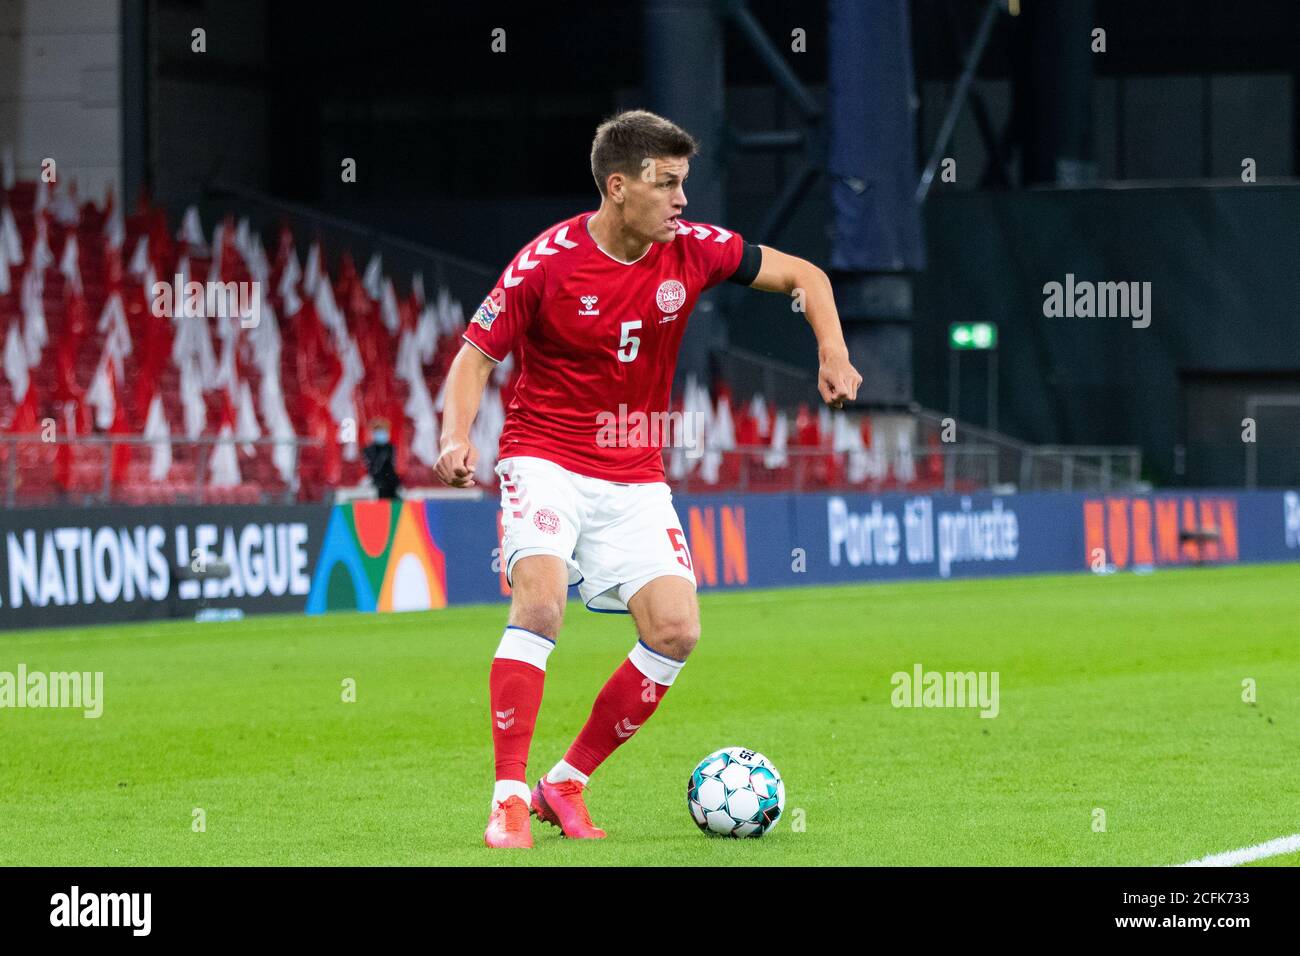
(735, 792)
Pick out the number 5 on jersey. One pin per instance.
(629, 342)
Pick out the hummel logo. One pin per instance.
(588, 305)
(504, 723)
(626, 729)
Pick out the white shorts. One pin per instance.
(615, 538)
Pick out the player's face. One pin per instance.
(656, 198)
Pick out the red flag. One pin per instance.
(26, 420)
(121, 454)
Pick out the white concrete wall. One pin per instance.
(60, 89)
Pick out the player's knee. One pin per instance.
(675, 636)
(542, 614)
(539, 595)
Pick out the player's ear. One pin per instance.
(614, 187)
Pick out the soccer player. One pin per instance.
(594, 309)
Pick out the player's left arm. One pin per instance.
(837, 379)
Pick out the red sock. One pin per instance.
(626, 702)
(518, 672)
(516, 694)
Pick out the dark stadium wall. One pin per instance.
(210, 116)
(59, 91)
(1221, 263)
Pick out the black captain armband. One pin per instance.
(751, 260)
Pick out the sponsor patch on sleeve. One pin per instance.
(492, 306)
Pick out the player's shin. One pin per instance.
(517, 677)
(626, 702)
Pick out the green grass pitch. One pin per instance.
(1120, 693)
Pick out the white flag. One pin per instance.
(844, 435)
(63, 204)
(824, 423)
(288, 285)
(115, 230)
(723, 434)
(278, 426)
(905, 464)
(117, 341)
(312, 274)
(42, 258)
(15, 362)
(223, 472)
(373, 280)
(193, 408)
(342, 407)
(10, 240)
(426, 333)
(776, 457)
(265, 339)
(451, 317)
(139, 263)
(388, 309)
(68, 266)
(101, 396)
(35, 333)
(194, 341)
(419, 407)
(258, 266)
(191, 231)
(158, 432)
(243, 238)
(758, 411)
(331, 316)
(246, 427)
(214, 266)
(848, 439)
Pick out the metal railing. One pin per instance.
(467, 280)
(778, 382)
(1282, 457)
(1042, 467)
(750, 468)
(1081, 468)
(33, 474)
(1008, 462)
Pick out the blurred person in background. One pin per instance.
(378, 456)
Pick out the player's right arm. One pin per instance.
(490, 336)
(465, 383)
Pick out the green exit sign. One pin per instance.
(973, 335)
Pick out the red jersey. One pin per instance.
(596, 338)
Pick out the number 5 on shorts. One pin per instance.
(679, 545)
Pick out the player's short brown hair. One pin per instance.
(624, 141)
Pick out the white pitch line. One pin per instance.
(1286, 844)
